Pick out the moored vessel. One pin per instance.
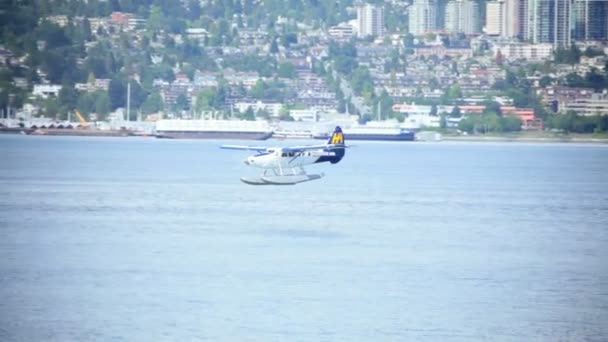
(213, 129)
(373, 132)
(378, 133)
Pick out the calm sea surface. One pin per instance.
(129, 239)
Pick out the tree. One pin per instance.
(443, 121)
(433, 110)
(467, 124)
(575, 80)
(361, 78)
(204, 100)
(102, 105)
(194, 10)
(286, 70)
(499, 58)
(91, 78)
(86, 103)
(492, 107)
(67, 98)
(117, 93)
(408, 40)
(51, 109)
(181, 103)
(384, 104)
(545, 81)
(511, 123)
(249, 114)
(288, 39)
(567, 56)
(596, 80)
(274, 47)
(455, 113)
(454, 93)
(153, 103)
(220, 95)
(258, 89)
(156, 20)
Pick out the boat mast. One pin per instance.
(347, 103)
(128, 100)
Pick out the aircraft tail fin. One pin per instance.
(337, 137)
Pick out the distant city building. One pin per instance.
(120, 18)
(511, 22)
(495, 18)
(341, 31)
(441, 51)
(596, 104)
(126, 20)
(422, 16)
(304, 114)
(273, 108)
(46, 90)
(370, 20)
(557, 96)
(590, 20)
(462, 16)
(523, 22)
(548, 21)
(205, 79)
(99, 84)
(502, 18)
(197, 33)
(530, 52)
(59, 20)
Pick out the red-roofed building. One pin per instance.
(121, 18)
(529, 121)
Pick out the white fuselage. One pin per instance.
(278, 159)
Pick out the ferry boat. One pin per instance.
(373, 132)
(378, 133)
(213, 129)
(293, 130)
(292, 134)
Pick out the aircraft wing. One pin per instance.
(313, 147)
(245, 148)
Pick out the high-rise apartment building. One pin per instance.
(590, 20)
(511, 21)
(370, 19)
(548, 21)
(523, 22)
(502, 18)
(495, 18)
(462, 16)
(422, 16)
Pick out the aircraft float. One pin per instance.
(285, 165)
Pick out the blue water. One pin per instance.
(129, 239)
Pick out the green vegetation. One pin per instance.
(490, 123)
(573, 123)
(570, 55)
(74, 52)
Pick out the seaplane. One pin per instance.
(285, 165)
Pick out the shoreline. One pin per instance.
(566, 139)
(581, 139)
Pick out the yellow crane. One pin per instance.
(81, 118)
